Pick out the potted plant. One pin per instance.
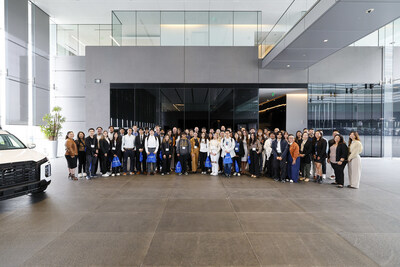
(52, 125)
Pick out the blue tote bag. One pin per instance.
(151, 158)
(237, 166)
(207, 164)
(141, 157)
(115, 162)
(228, 159)
(178, 168)
(248, 159)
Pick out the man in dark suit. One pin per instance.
(139, 143)
(280, 149)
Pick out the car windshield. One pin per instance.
(9, 141)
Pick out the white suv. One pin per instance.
(22, 169)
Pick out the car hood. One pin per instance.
(19, 155)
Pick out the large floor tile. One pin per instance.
(200, 249)
(93, 249)
(331, 205)
(198, 205)
(132, 205)
(265, 205)
(144, 193)
(196, 193)
(274, 222)
(199, 222)
(117, 222)
(257, 193)
(294, 249)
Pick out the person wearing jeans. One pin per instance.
(92, 151)
(227, 147)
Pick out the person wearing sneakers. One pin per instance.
(151, 145)
(183, 152)
(92, 151)
(227, 146)
(116, 152)
(105, 153)
(214, 149)
(204, 144)
(128, 147)
(305, 157)
(166, 150)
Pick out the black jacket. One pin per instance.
(342, 151)
(239, 153)
(116, 148)
(139, 144)
(91, 145)
(165, 146)
(104, 146)
(307, 151)
(319, 148)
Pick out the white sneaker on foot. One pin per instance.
(113, 174)
(84, 174)
(105, 175)
(118, 174)
(80, 175)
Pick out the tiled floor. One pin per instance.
(199, 220)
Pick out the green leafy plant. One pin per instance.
(53, 124)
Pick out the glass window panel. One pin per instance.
(196, 28)
(172, 107)
(147, 102)
(246, 107)
(67, 40)
(369, 40)
(88, 36)
(221, 28)
(172, 28)
(17, 103)
(104, 35)
(124, 27)
(245, 28)
(397, 32)
(221, 107)
(148, 28)
(116, 30)
(197, 107)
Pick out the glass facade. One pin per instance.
(184, 106)
(348, 107)
(186, 28)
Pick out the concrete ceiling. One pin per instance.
(339, 22)
(99, 11)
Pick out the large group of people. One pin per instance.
(284, 157)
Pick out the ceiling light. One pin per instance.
(288, 66)
(326, 40)
(369, 11)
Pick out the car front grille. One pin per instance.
(18, 173)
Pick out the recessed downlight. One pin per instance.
(326, 40)
(369, 11)
(287, 66)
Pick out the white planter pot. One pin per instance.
(53, 145)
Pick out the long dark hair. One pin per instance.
(77, 136)
(356, 135)
(252, 138)
(341, 140)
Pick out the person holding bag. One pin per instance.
(183, 152)
(151, 145)
(215, 147)
(166, 150)
(71, 153)
(239, 153)
(116, 145)
(227, 152)
(204, 144)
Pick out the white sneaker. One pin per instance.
(238, 174)
(80, 175)
(113, 174)
(105, 175)
(118, 174)
(84, 174)
(109, 173)
(291, 180)
(131, 173)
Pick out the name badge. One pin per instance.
(183, 147)
(226, 143)
(167, 149)
(195, 147)
(92, 146)
(114, 148)
(254, 149)
(236, 149)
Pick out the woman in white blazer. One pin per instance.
(267, 154)
(213, 150)
(354, 159)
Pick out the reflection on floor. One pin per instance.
(200, 220)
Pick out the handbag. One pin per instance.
(228, 159)
(178, 168)
(237, 167)
(141, 157)
(151, 158)
(248, 159)
(115, 162)
(207, 164)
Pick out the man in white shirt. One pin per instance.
(227, 146)
(151, 145)
(129, 148)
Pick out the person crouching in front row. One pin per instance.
(183, 149)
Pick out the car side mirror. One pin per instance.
(31, 146)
